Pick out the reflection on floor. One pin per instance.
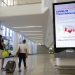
(40, 64)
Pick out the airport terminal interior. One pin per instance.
(48, 28)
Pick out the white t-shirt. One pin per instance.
(23, 48)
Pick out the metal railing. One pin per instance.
(4, 3)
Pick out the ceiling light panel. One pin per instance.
(34, 34)
(28, 27)
(31, 31)
(36, 37)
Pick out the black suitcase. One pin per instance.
(10, 66)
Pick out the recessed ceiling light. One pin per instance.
(31, 31)
(34, 34)
(27, 27)
(35, 38)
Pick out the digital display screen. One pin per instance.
(64, 17)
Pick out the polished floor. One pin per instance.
(40, 64)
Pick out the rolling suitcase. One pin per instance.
(10, 66)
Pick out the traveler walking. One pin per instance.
(22, 54)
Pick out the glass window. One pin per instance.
(3, 30)
(6, 1)
(7, 32)
(9, 2)
(12, 1)
(2, 4)
(11, 33)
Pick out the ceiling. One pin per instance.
(31, 26)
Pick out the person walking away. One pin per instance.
(22, 54)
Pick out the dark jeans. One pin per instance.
(22, 56)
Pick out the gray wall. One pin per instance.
(42, 49)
